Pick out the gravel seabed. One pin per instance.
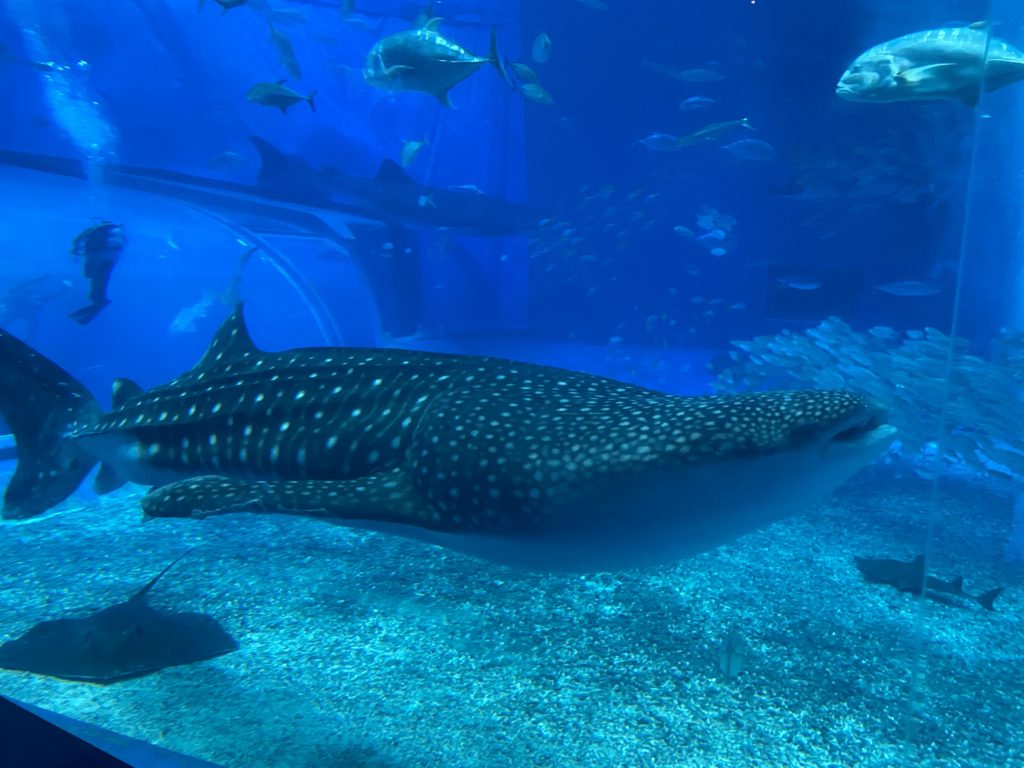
(364, 650)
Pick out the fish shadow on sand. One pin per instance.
(910, 577)
(130, 639)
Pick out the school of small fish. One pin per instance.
(912, 375)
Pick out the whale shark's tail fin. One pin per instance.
(41, 402)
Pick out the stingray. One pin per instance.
(130, 639)
(910, 577)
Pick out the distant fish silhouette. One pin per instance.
(126, 640)
(910, 577)
(732, 654)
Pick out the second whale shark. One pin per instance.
(525, 465)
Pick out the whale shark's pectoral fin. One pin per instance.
(386, 496)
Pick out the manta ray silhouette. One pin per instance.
(130, 639)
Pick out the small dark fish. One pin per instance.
(541, 48)
(524, 73)
(285, 52)
(908, 288)
(410, 150)
(699, 75)
(798, 283)
(278, 95)
(226, 5)
(732, 654)
(751, 149)
(715, 131)
(705, 74)
(25, 301)
(660, 142)
(535, 92)
(792, 188)
(695, 102)
(226, 159)
(944, 267)
(910, 577)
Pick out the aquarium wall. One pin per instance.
(541, 383)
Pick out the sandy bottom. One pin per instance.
(364, 650)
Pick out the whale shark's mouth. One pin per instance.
(858, 431)
(865, 431)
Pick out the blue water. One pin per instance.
(646, 265)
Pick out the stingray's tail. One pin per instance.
(41, 402)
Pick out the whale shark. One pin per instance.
(525, 465)
(392, 196)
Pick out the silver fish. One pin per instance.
(541, 48)
(422, 60)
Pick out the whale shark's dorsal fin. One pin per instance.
(231, 342)
(122, 391)
(390, 172)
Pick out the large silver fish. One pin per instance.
(520, 464)
(424, 61)
(936, 64)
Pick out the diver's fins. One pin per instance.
(88, 313)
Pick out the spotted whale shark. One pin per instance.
(525, 465)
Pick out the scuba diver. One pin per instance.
(101, 246)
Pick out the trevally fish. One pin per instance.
(541, 48)
(278, 95)
(715, 131)
(411, 149)
(422, 60)
(707, 74)
(660, 142)
(285, 52)
(935, 64)
(536, 92)
(521, 464)
(524, 73)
